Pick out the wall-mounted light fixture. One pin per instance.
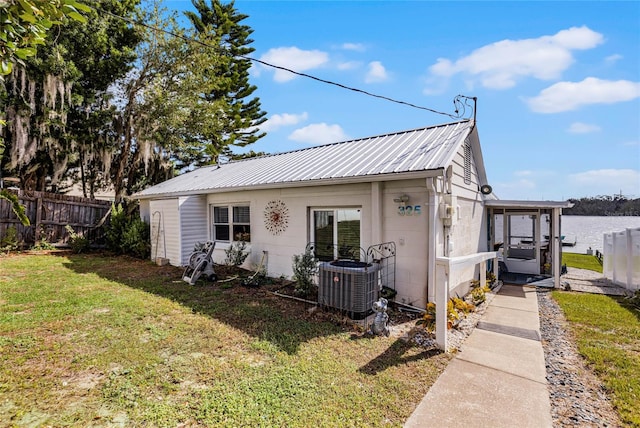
(402, 199)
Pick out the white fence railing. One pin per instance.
(445, 269)
(621, 258)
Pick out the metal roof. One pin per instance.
(515, 204)
(388, 156)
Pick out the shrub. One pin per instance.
(236, 254)
(305, 267)
(128, 234)
(77, 242)
(9, 241)
(136, 238)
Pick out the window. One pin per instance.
(236, 227)
(336, 233)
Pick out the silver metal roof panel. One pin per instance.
(416, 150)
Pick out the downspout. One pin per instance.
(432, 221)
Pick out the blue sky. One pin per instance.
(558, 83)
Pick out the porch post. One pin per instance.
(442, 296)
(556, 247)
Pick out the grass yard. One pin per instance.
(607, 333)
(94, 340)
(581, 261)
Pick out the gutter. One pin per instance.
(293, 184)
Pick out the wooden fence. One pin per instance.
(50, 213)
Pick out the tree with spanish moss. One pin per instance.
(52, 98)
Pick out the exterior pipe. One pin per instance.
(431, 239)
(299, 299)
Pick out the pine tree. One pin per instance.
(241, 116)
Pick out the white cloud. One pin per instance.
(277, 121)
(319, 133)
(613, 58)
(294, 59)
(566, 96)
(376, 73)
(358, 47)
(583, 128)
(499, 65)
(349, 65)
(607, 181)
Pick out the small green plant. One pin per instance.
(305, 267)
(236, 254)
(478, 295)
(9, 241)
(77, 242)
(428, 320)
(634, 300)
(43, 243)
(491, 279)
(461, 306)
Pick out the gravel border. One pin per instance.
(578, 397)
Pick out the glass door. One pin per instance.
(336, 233)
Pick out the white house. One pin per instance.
(424, 190)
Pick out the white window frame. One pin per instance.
(335, 210)
(231, 223)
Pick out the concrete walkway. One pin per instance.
(499, 377)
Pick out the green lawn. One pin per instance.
(581, 261)
(607, 332)
(100, 340)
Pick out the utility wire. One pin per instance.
(458, 114)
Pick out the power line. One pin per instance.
(460, 101)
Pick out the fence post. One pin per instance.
(36, 230)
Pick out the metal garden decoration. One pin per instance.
(276, 217)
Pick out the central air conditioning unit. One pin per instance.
(350, 286)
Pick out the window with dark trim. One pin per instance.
(234, 227)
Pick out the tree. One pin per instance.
(164, 118)
(56, 101)
(241, 117)
(24, 25)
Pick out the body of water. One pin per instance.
(589, 230)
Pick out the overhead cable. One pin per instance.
(459, 112)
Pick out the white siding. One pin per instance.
(165, 230)
(409, 232)
(193, 224)
(468, 233)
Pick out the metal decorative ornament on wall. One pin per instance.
(276, 217)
